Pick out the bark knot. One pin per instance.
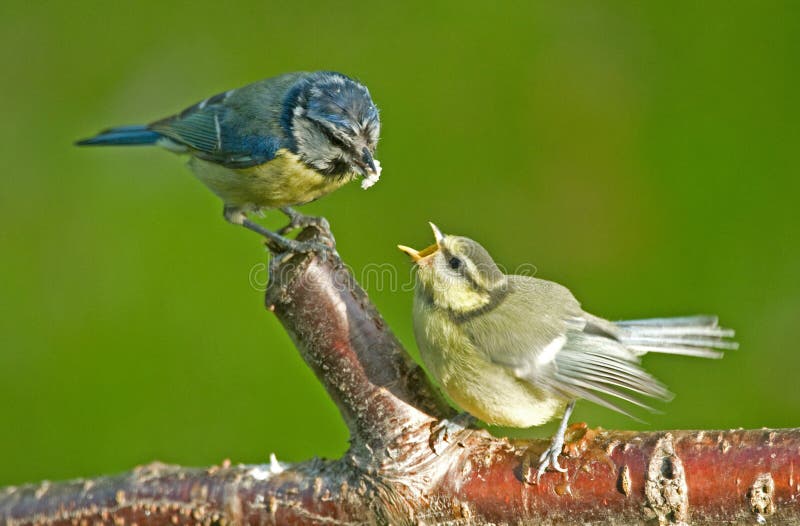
(760, 497)
(665, 488)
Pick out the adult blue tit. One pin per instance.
(276, 143)
(518, 351)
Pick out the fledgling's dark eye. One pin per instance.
(454, 263)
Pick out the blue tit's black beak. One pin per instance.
(369, 162)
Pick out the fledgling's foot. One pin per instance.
(443, 430)
(549, 459)
(298, 220)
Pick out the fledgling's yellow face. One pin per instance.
(456, 273)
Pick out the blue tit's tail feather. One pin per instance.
(699, 336)
(123, 135)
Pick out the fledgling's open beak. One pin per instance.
(437, 234)
(418, 255)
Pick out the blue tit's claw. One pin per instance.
(298, 220)
(279, 244)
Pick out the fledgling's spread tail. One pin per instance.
(139, 135)
(699, 336)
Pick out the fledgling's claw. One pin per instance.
(549, 459)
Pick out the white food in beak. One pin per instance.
(371, 179)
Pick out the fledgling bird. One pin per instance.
(276, 143)
(518, 351)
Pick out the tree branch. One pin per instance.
(390, 475)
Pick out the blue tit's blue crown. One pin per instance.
(330, 120)
(342, 102)
(331, 97)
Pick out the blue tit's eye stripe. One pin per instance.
(332, 136)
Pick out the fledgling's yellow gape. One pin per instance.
(518, 351)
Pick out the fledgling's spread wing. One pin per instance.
(540, 333)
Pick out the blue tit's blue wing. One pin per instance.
(196, 129)
(217, 130)
(238, 128)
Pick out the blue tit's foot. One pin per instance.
(279, 244)
(298, 220)
(276, 242)
(445, 429)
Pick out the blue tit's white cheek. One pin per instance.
(313, 146)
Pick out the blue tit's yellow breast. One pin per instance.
(283, 181)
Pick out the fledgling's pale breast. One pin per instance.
(464, 367)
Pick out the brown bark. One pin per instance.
(390, 475)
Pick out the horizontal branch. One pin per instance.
(391, 475)
(697, 477)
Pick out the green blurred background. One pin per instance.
(644, 154)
